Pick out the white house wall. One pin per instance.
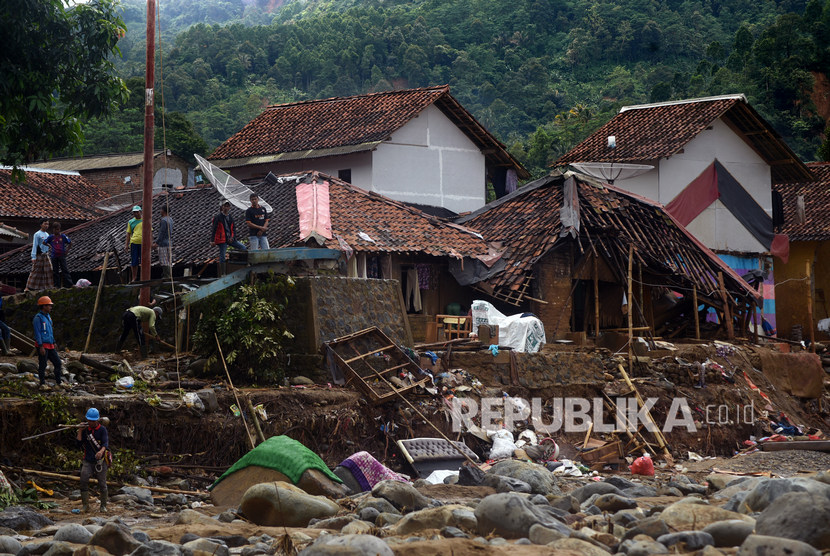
(430, 161)
(716, 227)
(359, 163)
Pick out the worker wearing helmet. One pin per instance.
(132, 320)
(45, 341)
(94, 440)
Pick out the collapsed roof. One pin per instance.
(605, 220)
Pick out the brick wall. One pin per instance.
(553, 275)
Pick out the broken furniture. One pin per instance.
(426, 455)
(453, 326)
(375, 365)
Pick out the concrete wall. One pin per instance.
(359, 163)
(716, 227)
(111, 180)
(430, 161)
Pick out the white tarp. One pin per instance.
(523, 334)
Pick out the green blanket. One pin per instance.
(282, 454)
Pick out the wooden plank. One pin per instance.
(697, 316)
(630, 309)
(727, 313)
(370, 353)
(265, 256)
(811, 445)
(810, 306)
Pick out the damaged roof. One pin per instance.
(813, 224)
(342, 125)
(49, 195)
(366, 221)
(650, 131)
(528, 223)
(96, 162)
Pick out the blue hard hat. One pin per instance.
(92, 414)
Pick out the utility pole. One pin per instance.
(149, 129)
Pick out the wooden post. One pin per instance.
(727, 312)
(596, 295)
(810, 306)
(630, 310)
(661, 440)
(97, 299)
(697, 315)
(239, 405)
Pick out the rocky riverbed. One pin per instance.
(516, 508)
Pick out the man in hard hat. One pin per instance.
(94, 440)
(132, 321)
(45, 341)
(133, 246)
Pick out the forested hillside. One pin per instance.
(540, 74)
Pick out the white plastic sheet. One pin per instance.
(522, 334)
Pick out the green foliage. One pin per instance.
(248, 320)
(125, 464)
(56, 72)
(54, 409)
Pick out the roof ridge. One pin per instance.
(445, 87)
(737, 96)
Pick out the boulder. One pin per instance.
(231, 489)
(380, 504)
(651, 527)
(684, 516)
(357, 527)
(157, 548)
(73, 532)
(141, 494)
(802, 516)
(89, 550)
(579, 546)
(367, 545)
(640, 491)
(768, 490)
(620, 482)
(401, 495)
(689, 540)
(115, 539)
(9, 545)
(283, 504)
(541, 480)
(336, 523)
(584, 492)
(643, 548)
(204, 547)
(190, 517)
(761, 545)
(501, 483)
(732, 532)
(386, 518)
(539, 534)
(20, 519)
(511, 516)
(60, 548)
(452, 515)
(614, 502)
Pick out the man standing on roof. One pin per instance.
(93, 438)
(59, 243)
(133, 245)
(222, 234)
(132, 320)
(45, 341)
(257, 219)
(41, 276)
(164, 243)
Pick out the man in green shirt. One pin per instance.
(132, 321)
(133, 246)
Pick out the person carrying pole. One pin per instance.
(94, 440)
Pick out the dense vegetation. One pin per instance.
(540, 74)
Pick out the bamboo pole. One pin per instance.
(630, 309)
(97, 299)
(257, 428)
(810, 306)
(233, 389)
(661, 440)
(697, 315)
(596, 295)
(74, 478)
(727, 313)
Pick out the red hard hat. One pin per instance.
(45, 301)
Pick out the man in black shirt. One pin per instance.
(257, 219)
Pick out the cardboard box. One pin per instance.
(488, 334)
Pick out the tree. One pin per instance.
(55, 73)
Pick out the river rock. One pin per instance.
(283, 504)
(141, 494)
(802, 516)
(387, 518)
(353, 544)
(9, 545)
(640, 491)
(511, 516)
(115, 539)
(452, 515)
(620, 482)
(402, 495)
(686, 516)
(741, 484)
(157, 548)
(584, 492)
(190, 517)
(614, 502)
(579, 546)
(60, 548)
(336, 523)
(732, 532)
(205, 547)
(20, 519)
(368, 514)
(769, 490)
(651, 526)
(501, 483)
(566, 503)
(357, 527)
(643, 548)
(761, 545)
(7, 368)
(73, 532)
(539, 534)
(541, 480)
(380, 504)
(692, 540)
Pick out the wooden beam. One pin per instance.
(596, 295)
(697, 316)
(810, 305)
(630, 309)
(727, 313)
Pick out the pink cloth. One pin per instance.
(368, 471)
(313, 206)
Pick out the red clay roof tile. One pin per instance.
(49, 195)
(816, 225)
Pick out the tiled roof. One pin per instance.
(341, 125)
(816, 193)
(652, 131)
(394, 227)
(527, 222)
(45, 194)
(95, 162)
